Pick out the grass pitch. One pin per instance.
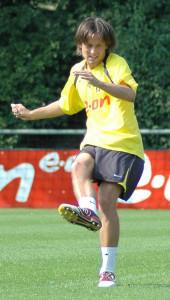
(43, 257)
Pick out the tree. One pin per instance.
(37, 50)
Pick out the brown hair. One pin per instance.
(91, 26)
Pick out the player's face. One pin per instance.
(94, 51)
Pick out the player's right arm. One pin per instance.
(49, 111)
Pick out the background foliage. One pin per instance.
(37, 50)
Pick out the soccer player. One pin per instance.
(111, 152)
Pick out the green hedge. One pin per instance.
(37, 50)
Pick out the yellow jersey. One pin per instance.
(111, 122)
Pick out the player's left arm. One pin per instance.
(120, 91)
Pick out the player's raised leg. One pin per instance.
(86, 213)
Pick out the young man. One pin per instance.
(111, 152)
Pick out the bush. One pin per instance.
(37, 50)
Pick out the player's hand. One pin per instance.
(88, 76)
(20, 111)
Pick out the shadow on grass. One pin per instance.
(155, 285)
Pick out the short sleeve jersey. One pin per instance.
(111, 122)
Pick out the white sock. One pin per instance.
(88, 202)
(108, 259)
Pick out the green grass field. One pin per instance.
(43, 257)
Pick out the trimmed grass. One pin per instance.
(43, 257)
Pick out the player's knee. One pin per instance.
(76, 167)
(107, 205)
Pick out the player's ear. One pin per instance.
(79, 50)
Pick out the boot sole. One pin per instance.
(73, 217)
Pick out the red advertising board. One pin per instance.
(41, 179)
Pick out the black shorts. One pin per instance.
(116, 166)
